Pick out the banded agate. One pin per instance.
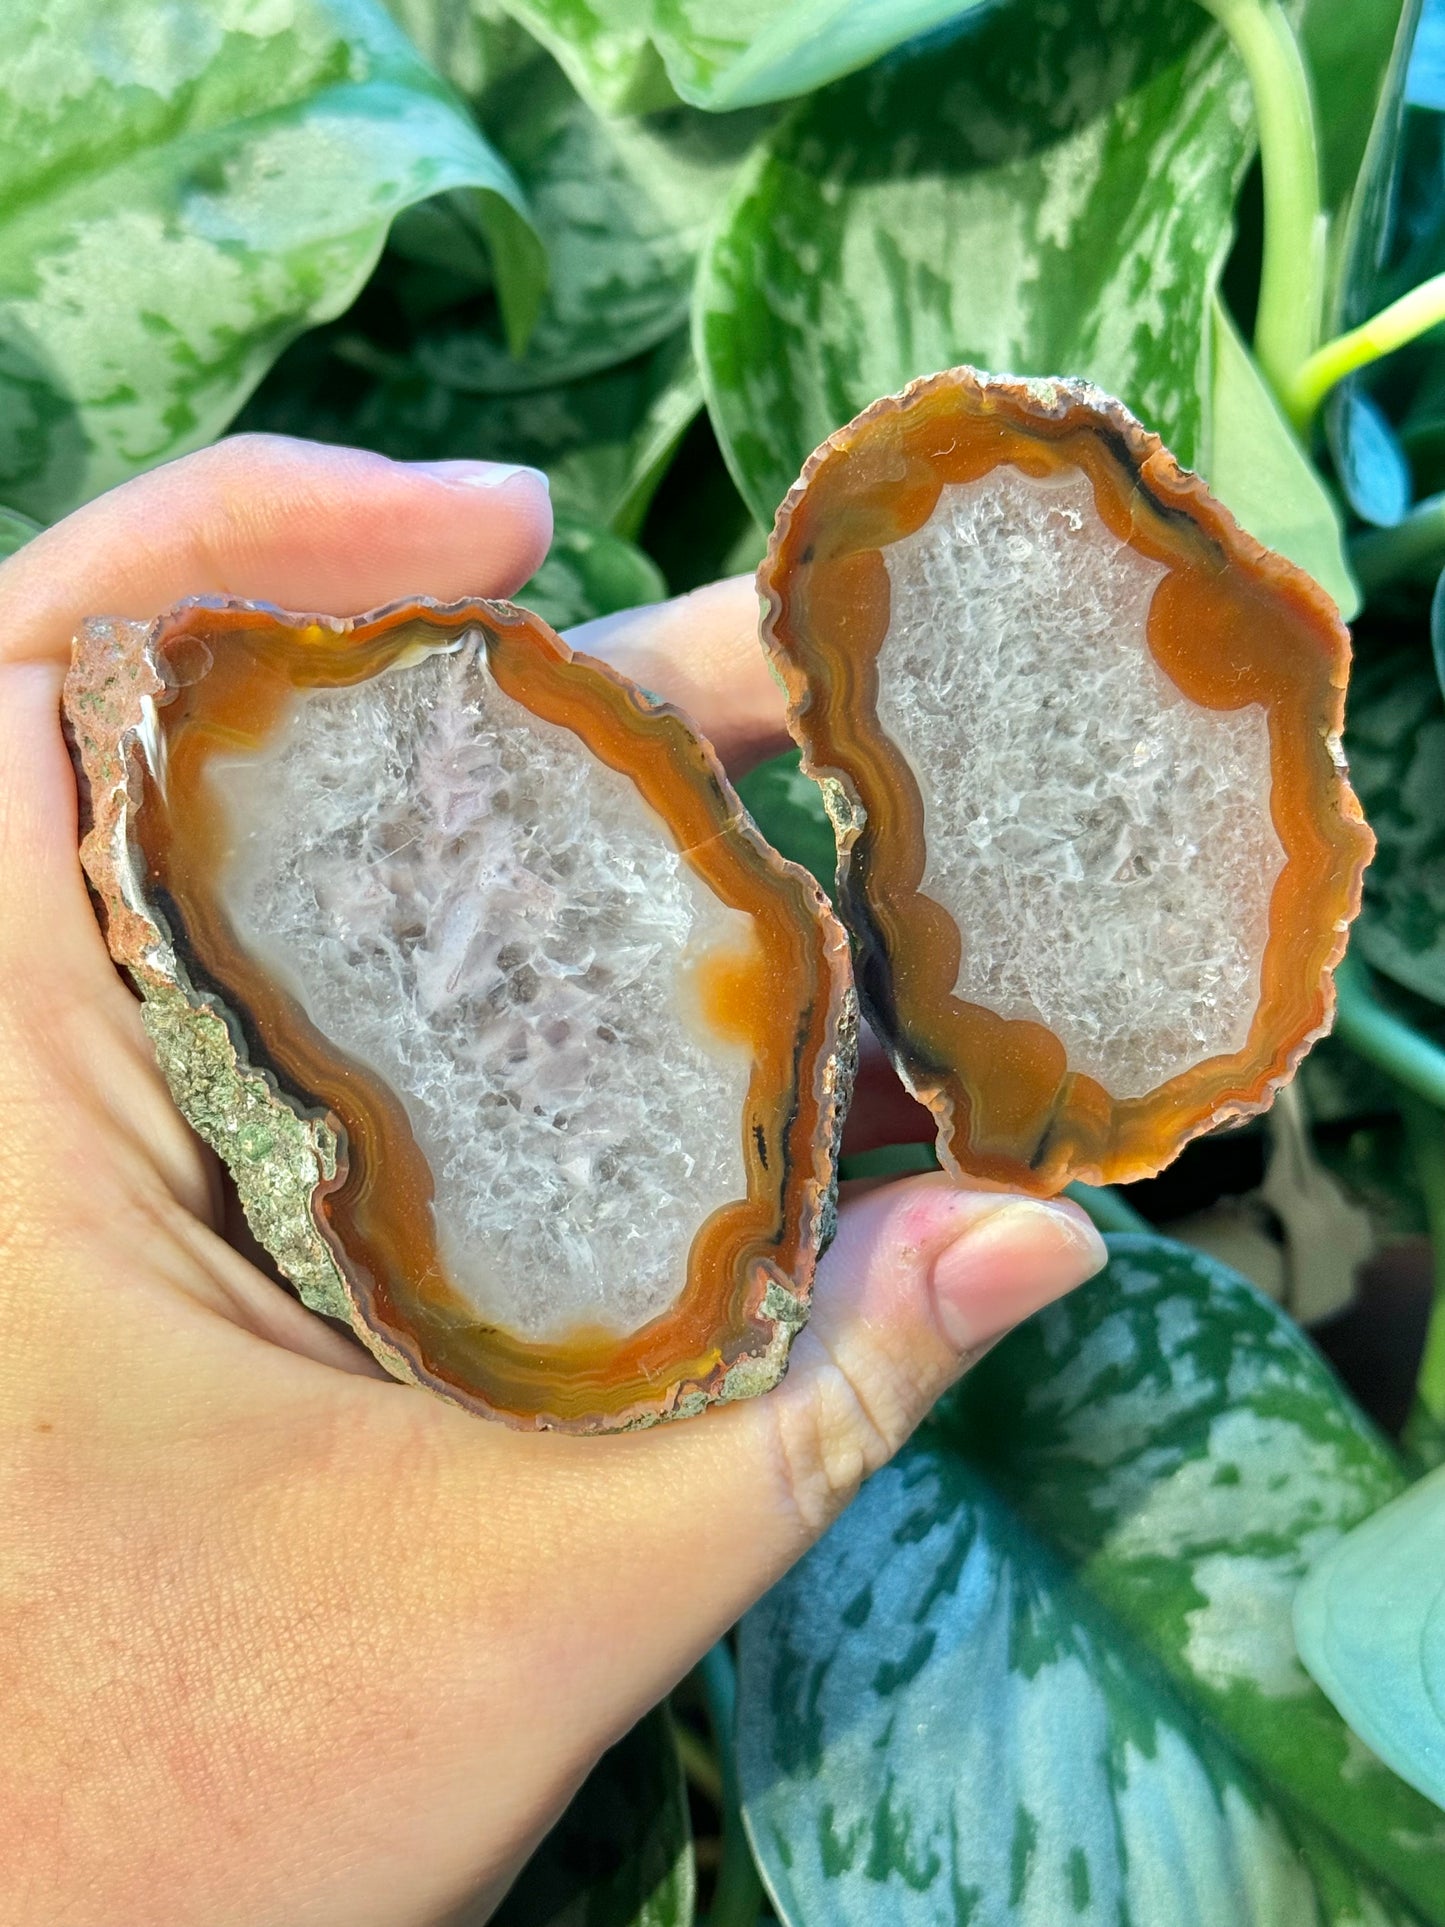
(527, 1054)
(1080, 739)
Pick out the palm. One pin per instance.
(285, 1642)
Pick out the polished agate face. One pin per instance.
(1080, 736)
(463, 899)
(1104, 844)
(527, 1055)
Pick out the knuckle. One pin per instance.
(846, 1424)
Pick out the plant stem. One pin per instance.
(1292, 274)
(1414, 548)
(739, 1892)
(1376, 1033)
(1110, 1209)
(697, 1763)
(1425, 1136)
(1404, 320)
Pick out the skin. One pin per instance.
(282, 1643)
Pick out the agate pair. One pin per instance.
(527, 1054)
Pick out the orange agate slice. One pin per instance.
(527, 1054)
(1080, 738)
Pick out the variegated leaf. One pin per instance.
(624, 53)
(15, 531)
(1044, 1670)
(604, 439)
(590, 572)
(622, 208)
(185, 188)
(1370, 1620)
(1043, 192)
(1395, 737)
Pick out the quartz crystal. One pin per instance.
(1080, 739)
(492, 943)
(1105, 844)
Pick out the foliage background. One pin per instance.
(1045, 1670)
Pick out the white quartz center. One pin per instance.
(1104, 844)
(466, 900)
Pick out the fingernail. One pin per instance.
(1006, 1265)
(479, 474)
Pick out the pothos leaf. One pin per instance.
(721, 57)
(590, 572)
(761, 50)
(1255, 464)
(183, 191)
(621, 1855)
(605, 50)
(472, 44)
(1066, 212)
(1371, 1629)
(621, 207)
(604, 440)
(15, 531)
(788, 808)
(1395, 736)
(1072, 1595)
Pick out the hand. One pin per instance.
(282, 1643)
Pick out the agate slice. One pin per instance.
(1080, 739)
(527, 1054)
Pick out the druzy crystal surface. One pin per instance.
(1104, 843)
(463, 898)
(527, 1055)
(1080, 739)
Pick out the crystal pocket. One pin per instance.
(527, 1054)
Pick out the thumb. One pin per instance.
(921, 1280)
(672, 1534)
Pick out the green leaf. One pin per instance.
(1043, 191)
(1371, 1629)
(15, 531)
(758, 50)
(1370, 464)
(720, 57)
(604, 440)
(590, 572)
(1357, 56)
(1256, 466)
(604, 48)
(621, 207)
(1395, 738)
(473, 44)
(1044, 1671)
(183, 191)
(621, 1855)
(788, 808)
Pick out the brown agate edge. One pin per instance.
(329, 1174)
(1232, 622)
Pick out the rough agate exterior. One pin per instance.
(1080, 739)
(528, 1056)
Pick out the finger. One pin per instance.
(265, 518)
(702, 652)
(677, 1531)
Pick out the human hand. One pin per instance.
(283, 1643)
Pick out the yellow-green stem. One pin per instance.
(1292, 273)
(1414, 314)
